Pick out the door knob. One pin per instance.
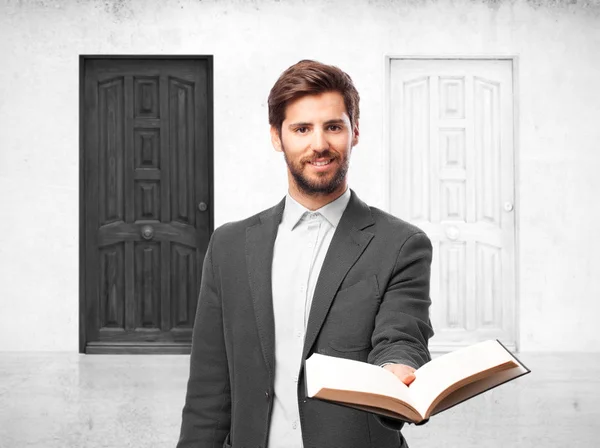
(202, 206)
(147, 232)
(452, 233)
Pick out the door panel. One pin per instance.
(147, 150)
(453, 176)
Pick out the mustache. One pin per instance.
(325, 154)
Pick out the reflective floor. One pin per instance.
(66, 400)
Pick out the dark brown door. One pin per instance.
(146, 201)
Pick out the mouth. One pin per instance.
(320, 162)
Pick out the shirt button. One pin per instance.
(298, 334)
(294, 425)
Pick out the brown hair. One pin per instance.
(311, 78)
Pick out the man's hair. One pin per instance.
(311, 78)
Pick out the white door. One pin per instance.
(452, 174)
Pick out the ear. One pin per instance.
(355, 134)
(275, 140)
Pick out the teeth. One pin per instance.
(321, 163)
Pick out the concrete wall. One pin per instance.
(252, 42)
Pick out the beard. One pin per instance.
(324, 183)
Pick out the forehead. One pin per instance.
(320, 107)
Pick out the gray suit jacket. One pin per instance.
(371, 303)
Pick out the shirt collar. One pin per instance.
(332, 212)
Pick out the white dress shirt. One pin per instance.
(302, 241)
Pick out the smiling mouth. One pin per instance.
(321, 162)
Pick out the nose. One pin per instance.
(319, 141)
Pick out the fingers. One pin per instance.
(403, 372)
(409, 378)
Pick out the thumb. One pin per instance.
(408, 378)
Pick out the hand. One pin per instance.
(402, 371)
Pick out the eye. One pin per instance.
(302, 130)
(334, 127)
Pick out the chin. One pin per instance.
(320, 180)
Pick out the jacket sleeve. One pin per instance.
(402, 326)
(206, 415)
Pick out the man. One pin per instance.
(319, 272)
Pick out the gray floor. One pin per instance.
(68, 400)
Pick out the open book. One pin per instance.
(440, 384)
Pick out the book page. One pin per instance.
(440, 374)
(378, 404)
(327, 372)
(473, 389)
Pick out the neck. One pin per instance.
(315, 201)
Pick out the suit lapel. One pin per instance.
(348, 243)
(260, 239)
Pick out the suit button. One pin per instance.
(267, 394)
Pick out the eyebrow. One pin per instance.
(327, 123)
(335, 121)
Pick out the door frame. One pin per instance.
(82, 172)
(387, 155)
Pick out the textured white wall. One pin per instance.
(252, 42)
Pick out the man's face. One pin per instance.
(316, 141)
